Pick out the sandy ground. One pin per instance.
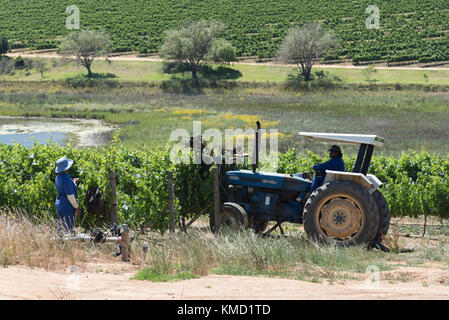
(113, 281)
(132, 57)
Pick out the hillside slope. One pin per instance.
(409, 29)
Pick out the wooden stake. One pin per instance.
(124, 242)
(216, 212)
(425, 224)
(171, 201)
(113, 212)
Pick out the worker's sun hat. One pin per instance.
(63, 164)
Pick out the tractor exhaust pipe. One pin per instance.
(256, 149)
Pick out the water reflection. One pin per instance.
(79, 132)
(27, 139)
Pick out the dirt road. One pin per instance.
(131, 57)
(112, 281)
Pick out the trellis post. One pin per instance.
(113, 211)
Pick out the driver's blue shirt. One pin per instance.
(334, 164)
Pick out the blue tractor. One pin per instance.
(347, 209)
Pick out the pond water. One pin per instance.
(81, 133)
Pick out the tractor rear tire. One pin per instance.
(384, 215)
(341, 212)
(232, 216)
(257, 224)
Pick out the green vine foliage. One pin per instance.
(195, 193)
(414, 183)
(27, 181)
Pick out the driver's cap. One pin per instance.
(335, 148)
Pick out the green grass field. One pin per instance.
(151, 71)
(408, 119)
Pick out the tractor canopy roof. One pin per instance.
(346, 138)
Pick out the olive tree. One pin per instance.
(40, 66)
(306, 44)
(194, 44)
(85, 46)
(4, 46)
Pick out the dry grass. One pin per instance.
(61, 293)
(23, 242)
(392, 239)
(198, 252)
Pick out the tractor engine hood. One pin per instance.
(279, 181)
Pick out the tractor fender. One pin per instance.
(368, 182)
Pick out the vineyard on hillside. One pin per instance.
(409, 29)
(414, 184)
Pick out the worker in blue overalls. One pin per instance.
(66, 203)
(336, 163)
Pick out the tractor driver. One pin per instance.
(336, 163)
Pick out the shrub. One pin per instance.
(7, 66)
(19, 63)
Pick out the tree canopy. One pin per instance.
(4, 46)
(85, 46)
(304, 45)
(196, 43)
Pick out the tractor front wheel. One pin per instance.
(342, 212)
(232, 216)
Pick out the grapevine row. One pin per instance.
(409, 29)
(414, 183)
